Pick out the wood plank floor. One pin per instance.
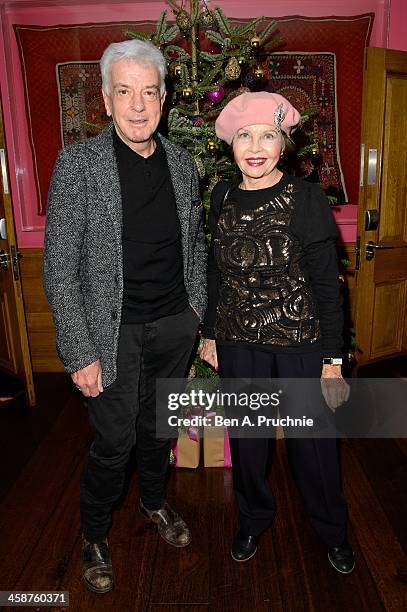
(41, 456)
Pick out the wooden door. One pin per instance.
(381, 258)
(14, 348)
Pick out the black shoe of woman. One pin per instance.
(342, 558)
(244, 547)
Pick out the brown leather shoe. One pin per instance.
(97, 570)
(171, 527)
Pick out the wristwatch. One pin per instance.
(332, 360)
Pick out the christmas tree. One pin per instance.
(210, 62)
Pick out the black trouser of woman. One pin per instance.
(126, 411)
(314, 461)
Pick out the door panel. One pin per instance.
(14, 348)
(390, 265)
(7, 352)
(381, 277)
(393, 216)
(388, 318)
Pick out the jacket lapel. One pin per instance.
(104, 168)
(181, 181)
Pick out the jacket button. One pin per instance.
(114, 315)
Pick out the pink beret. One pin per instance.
(261, 107)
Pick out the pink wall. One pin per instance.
(387, 27)
(398, 25)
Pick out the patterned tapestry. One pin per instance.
(44, 51)
(82, 111)
(307, 80)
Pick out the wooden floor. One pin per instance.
(42, 453)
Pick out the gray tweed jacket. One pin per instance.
(83, 267)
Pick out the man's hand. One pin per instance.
(89, 379)
(334, 388)
(208, 353)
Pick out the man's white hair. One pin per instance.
(141, 52)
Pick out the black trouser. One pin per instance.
(126, 411)
(314, 462)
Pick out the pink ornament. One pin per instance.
(216, 95)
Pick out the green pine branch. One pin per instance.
(211, 75)
(185, 76)
(183, 56)
(195, 13)
(215, 37)
(161, 26)
(222, 21)
(210, 57)
(137, 35)
(276, 42)
(249, 27)
(170, 34)
(204, 371)
(267, 30)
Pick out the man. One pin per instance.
(124, 272)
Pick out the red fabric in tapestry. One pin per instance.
(307, 80)
(41, 48)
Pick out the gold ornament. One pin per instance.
(177, 70)
(241, 60)
(212, 146)
(314, 148)
(258, 73)
(255, 42)
(187, 93)
(183, 20)
(207, 19)
(232, 70)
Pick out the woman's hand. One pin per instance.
(208, 353)
(334, 388)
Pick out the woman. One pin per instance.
(274, 310)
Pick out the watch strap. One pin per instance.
(332, 360)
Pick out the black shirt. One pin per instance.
(152, 248)
(272, 269)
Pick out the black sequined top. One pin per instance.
(272, 269)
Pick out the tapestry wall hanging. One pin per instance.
(53, 56)
(308, 80)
